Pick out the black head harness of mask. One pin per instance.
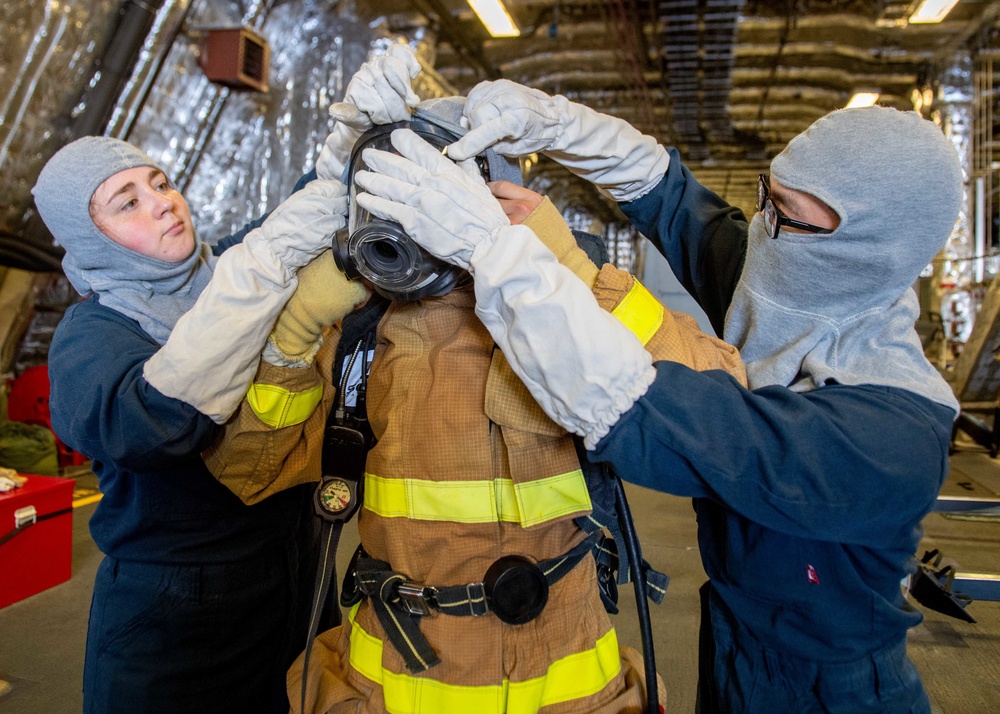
(379, 250)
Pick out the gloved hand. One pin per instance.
(524, 206)
(584, 367)
(213, 351)
(446, 208)
(516, 120)
(580, 363)
(379, 93)
(305, 223)
(324, 295)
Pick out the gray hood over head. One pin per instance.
(448, 113)
(153, 292)
(815, 309)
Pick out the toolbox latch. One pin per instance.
(25, 516)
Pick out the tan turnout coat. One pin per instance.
(467, 469)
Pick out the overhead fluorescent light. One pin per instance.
(495, 17)
(932, 11)
(862, 99)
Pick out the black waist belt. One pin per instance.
(514, 589)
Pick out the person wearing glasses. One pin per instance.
(811, 484)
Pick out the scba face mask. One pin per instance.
(379, 250)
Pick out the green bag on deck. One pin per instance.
(28, 448)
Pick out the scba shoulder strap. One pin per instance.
(346, 442)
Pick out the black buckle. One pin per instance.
(516, 589)
(416, 599)
(350, 590)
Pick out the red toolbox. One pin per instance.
(36, 537)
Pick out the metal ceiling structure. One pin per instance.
(728, 82)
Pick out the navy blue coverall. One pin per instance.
(809, 505)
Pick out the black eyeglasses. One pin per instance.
(774, 219)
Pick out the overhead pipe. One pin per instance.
(464, 45)
(115, 66)
(133, 95)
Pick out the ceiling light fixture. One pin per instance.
(495, 17)
(862, 99)
(932, 11)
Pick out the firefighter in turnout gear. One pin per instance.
(475, 588)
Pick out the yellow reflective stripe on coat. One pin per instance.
(487, 501)
(279, 407)
(640, 312)
(579, 675)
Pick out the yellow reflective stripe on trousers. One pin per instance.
(487, 501)
(279, 407)
(575, 676)
(640, 312)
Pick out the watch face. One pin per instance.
(335, 496)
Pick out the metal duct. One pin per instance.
(954, 286)
(113, 68)
(115, 65)
(49, 52)
(697, 40)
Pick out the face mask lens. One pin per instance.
(379, 250)
(386, 253)
(384, 256)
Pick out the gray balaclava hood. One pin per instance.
(811, 309)
(153, 292)
(448, 112)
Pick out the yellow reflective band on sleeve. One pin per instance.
(575, 676)
(487, 501)
(640, 312)
(278, 407)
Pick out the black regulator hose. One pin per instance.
(638, 572)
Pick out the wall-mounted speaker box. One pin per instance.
(237, 57)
